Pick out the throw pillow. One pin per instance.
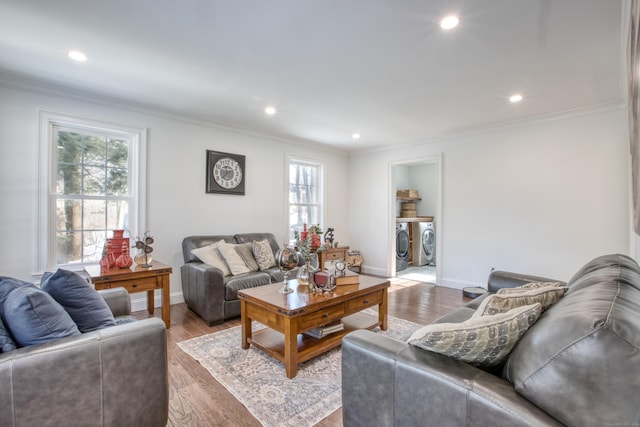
(502, 302)
(211, 255)
(35, 317)
(533, 285)
(263, 254)
(86, 307)
(245, 250)
(7, 343)
(483, 341)
(233, 259)
(7, 285)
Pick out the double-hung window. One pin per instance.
(92, 182)
(305, 194)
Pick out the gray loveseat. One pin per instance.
(211, 294)
(116, 376)
(578, 365)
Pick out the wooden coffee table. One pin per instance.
(288, 316)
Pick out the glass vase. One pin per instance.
(303, 273)
(142, 258)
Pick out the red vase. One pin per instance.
(104, 261)
(124, 260)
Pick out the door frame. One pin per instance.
(392, 204)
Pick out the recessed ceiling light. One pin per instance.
(77, 55)
(355, 136)
(270, 110)
(515, 98)
(449, 22)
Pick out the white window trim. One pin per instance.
(315, 162)
(46, 183)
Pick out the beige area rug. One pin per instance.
(259, 381)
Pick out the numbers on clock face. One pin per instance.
(227, 173)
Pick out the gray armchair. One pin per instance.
(115, 376)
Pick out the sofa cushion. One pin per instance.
(578, 362)
(211, 255)
(6, 341)
(245, 250)
(34, 317)
(244, 281)
(263, 254)
(518, 297)
(233, 259)
(86, 307)
(481, 341)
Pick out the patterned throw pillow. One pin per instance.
(245, 250)
(482, 341)
(517, 297)
(263, 254)
(532, 285)
(211, 255)
(233, 259)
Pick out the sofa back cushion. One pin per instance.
(193, 242)
(579, 361)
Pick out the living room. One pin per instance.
(539, 194)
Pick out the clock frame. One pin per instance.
(213, 172)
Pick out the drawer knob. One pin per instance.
(135, 285)
(325, 316)
(366, 301)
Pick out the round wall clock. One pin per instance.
(225, 173)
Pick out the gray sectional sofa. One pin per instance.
(211, 294)
(577, 365)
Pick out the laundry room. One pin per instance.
(416, 208)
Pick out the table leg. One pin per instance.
(382, 311)
(245, 322)
(150, 302)
(290, 347)
(166, 301)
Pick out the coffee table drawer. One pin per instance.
(323, 317)
(365, 301)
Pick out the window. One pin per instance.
(91, 175)
(305, 195)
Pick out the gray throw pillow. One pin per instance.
(245, 250)
(33, 317)
(86, 307)
(481, 341)
(263, 254)
(7, 285)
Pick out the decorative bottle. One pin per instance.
(104, 261)
(124, 260)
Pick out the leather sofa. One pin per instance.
(211, 294)
(116, 376)
(577, 365)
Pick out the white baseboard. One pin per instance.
(139, 300)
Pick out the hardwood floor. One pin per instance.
(196, 399)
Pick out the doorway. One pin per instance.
(423, 225)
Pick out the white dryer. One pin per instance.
(402, 245)
(424, 243)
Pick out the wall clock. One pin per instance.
(225, 173)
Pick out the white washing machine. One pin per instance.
(424, 243)
(402, 245)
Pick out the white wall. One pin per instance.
(541, 198)
(177, 203)
(424, 178)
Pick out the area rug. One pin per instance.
(259, 382)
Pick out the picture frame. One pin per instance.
(225, 173)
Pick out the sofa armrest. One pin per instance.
(390, 383)
(118, 301)
(505, 279)
(203, 289)
(114, 376)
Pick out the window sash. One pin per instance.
(306, 204)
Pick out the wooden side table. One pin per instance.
(137, 279)
(332, 254)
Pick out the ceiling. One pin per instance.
(384, 69)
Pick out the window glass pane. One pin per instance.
(93, 242)
(94, 215)
(95, 150)
(303, 183)
(69, 179)
(117, 182)
(300, 215)
(118, 215)
(93, 180)
(68, 215)
(117, 153)
(68, 247)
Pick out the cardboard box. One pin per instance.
(407, 194)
